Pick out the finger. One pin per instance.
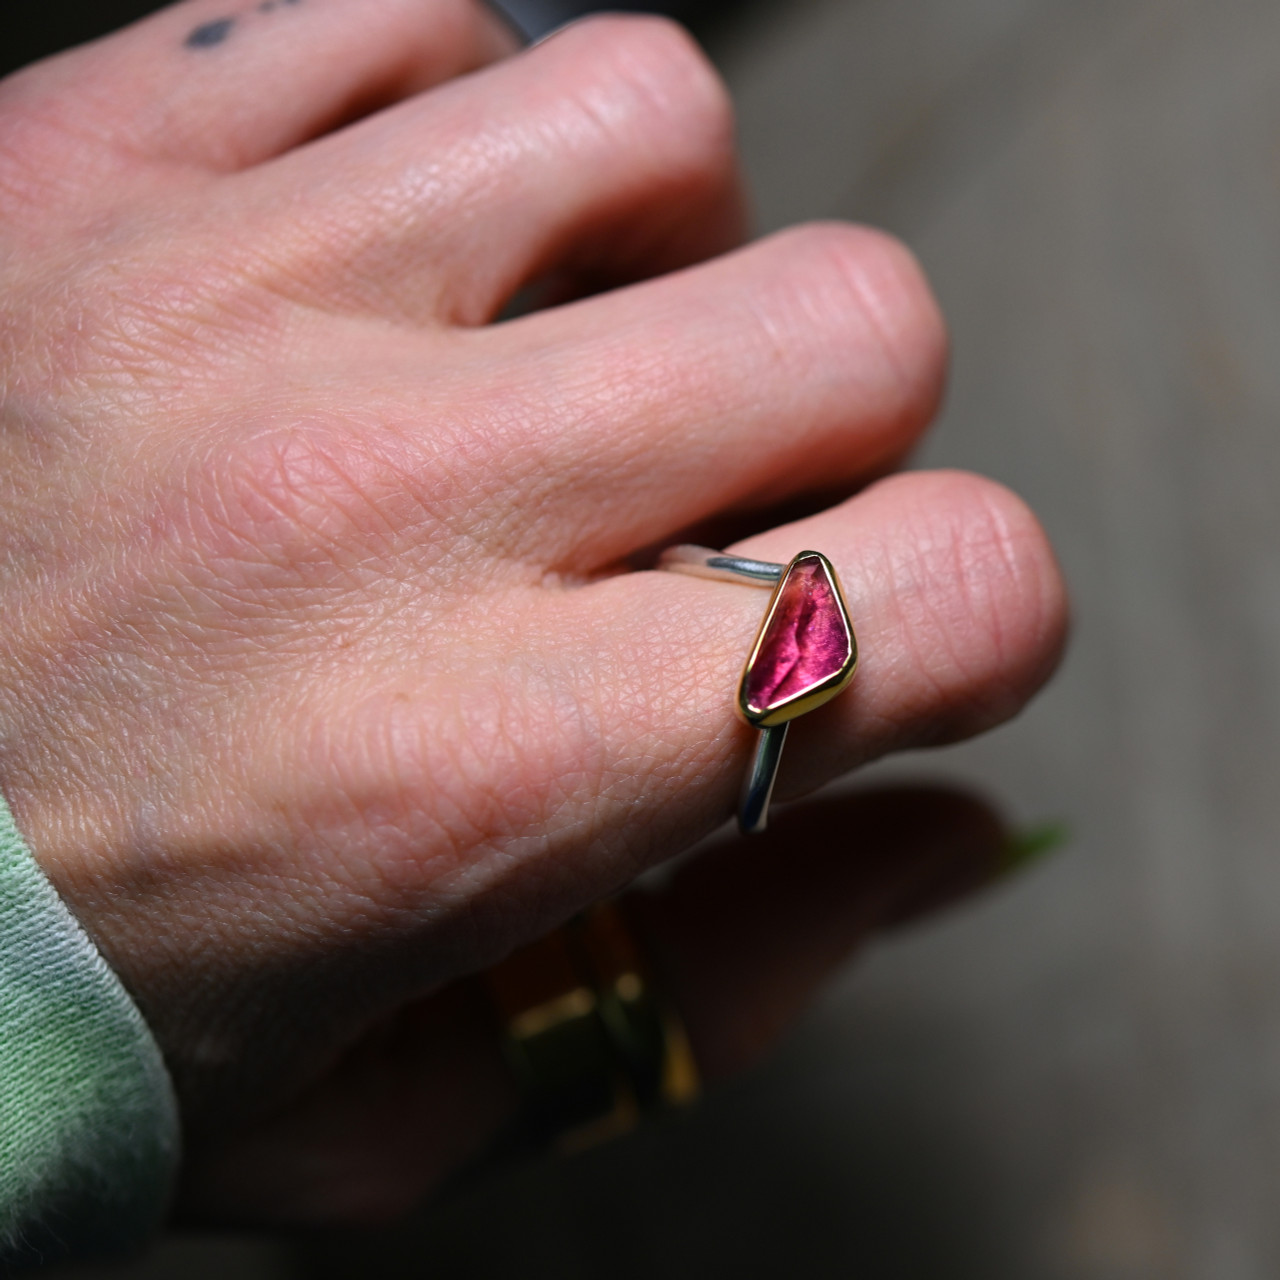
(960, 615)
(610, 713)
(744, 935)
(227, 85)
(829, 356)
(606, 713)
(809, 362)
(737, 948)
(605, 151)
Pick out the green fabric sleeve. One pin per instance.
(88, 1121)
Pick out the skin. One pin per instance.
(328, 676)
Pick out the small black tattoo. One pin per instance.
(268, 6)
(211, 33)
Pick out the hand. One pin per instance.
(322, 683)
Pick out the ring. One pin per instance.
(587, 1034)
(804, 654)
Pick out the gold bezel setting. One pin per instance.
(822, 691)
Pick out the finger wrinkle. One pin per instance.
(647, 74)
(911, 332)
(975, 604)
(862, 315)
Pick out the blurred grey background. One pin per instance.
(1078, 1077)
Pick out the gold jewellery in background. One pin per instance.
(591, 1042)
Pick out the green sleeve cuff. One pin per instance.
(89, 1135)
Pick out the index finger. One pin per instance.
(227, 85)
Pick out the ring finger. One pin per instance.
(960, 614)
(807, 362)
(611, 720)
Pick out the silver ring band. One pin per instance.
(702, 562)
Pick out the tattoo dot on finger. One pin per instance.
(209, 34)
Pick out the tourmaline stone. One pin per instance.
(806, 644)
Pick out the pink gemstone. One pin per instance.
(807, 643)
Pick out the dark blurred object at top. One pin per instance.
(537, 17)
(32, 29)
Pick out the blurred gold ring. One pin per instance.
(591, 1041)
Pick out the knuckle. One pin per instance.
(992, 606)
(648, 72)
(868, 289)
(1027, 595)
(60, 137)
(36, 152)
(451, 28)
(100, 332)
(135, 324)
(442, 781)
(295, 502)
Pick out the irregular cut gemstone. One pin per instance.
(807, 641)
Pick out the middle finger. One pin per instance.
(605, 152)
(808, 362)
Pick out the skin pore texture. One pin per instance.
(327, 676)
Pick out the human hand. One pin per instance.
(321, 683)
